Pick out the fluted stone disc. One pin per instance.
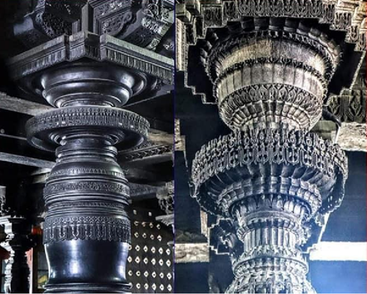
(228, 169)
(125, 128)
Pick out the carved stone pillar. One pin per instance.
(17, 273)
(86, 193)
(87, 59)
(272, 180)
(90, 77)
(271, 184)
(270, 176)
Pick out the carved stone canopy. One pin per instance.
(155, 69)
(146, 24)
(204, 26)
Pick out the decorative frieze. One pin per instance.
(266, 151)
(146, 24)
(102, 48)
(99, 228)
(111, 17)
(350, 105)
(340, 15)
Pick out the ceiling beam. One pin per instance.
(324, 251)
(339, 251)
(21, 105)
(25, 160)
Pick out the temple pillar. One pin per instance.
(89, 80)
(272, 183)
(86, 194)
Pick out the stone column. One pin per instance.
(271, 177)
(17, 273)
(86, 229)
(87, 59)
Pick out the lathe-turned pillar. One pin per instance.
(86, 229)
(271, 178)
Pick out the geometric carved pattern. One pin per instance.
(146, 150)
(57, 189)
(87, 116)
(349, 108)
(48, 20)
(150, 261)
(157, 18)
(79, 115)
(286, 8)
(111, 17)
(237, 109)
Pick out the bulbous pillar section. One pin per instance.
(271, 177)
(86, 229)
